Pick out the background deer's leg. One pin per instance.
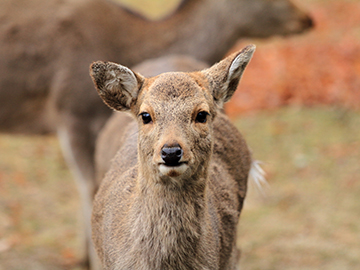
(77, 143)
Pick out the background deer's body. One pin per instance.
(152, 212)
(46, 46)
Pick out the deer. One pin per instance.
(175, 189)
(46, 47)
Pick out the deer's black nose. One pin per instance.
(171, 155)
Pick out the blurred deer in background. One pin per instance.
(46, 47)
(173, 195)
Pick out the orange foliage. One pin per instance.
(319, 67)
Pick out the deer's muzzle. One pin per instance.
(172, 155)
(172, 162)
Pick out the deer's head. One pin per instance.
(264, 18)
(175, 112)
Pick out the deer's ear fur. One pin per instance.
(225, 76)
(117, 85)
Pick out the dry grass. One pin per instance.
(310, 217)
(39, 206)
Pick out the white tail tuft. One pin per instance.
(257, 176)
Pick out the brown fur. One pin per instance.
(46, 46)
(145, 217)
(107, 143)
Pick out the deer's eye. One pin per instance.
(146, 118)
(201, 117)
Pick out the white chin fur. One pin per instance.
(173, 171)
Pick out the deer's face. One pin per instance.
(175, 113)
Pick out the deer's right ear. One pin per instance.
(117, 85)
(224, 76)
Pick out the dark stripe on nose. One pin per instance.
(171, 155)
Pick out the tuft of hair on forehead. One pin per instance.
(174, 84)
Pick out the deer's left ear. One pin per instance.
(117, 85)
(225, 76)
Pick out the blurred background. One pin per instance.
(298, 108)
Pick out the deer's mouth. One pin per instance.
(173, 169)
(173, 164)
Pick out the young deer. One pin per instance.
(46, 47)
(174, 192)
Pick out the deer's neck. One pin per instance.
(190, 30)
(168, 225)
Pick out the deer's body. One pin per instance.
(174, 192)
(162, 227)
(46, 46)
